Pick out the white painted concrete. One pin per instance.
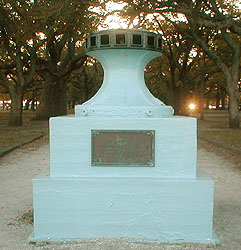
(175, 147)
(166, 202)
(124, 92)
(167, 210)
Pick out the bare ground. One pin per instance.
(18, 168)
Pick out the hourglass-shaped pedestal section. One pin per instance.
(123, 92)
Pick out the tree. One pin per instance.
(18, 46)
(85, 82)
(228, 27)
(64, 31)
(196, 19)
(55, 70)
(42, 37)
(4, 96)
(180, 67)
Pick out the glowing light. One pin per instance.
(192, 106)
(212, 107)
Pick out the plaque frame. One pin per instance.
(150, 163)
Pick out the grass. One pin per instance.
(215, 128)
(11, 136)
(219, 138)
(230, 138)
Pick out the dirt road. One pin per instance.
(18, 168)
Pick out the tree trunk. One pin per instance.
(53, 101)
(223, 103)
(176, 100)
(33, 102)
(223, 98)
(58, 105)
(201, 98)
(16, 110)
(3, 105)
(233, 106)
(207, 103)
(26, 105)
(184, 101)
(32, 105)
(201, 101)
(218, 101)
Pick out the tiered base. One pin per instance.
(165, 210)
(166, 202)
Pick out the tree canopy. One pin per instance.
(42, 37)
(42, 47)
(212, 25)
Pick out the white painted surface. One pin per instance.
(175, 147)
(164, 203)
(168, 210)
(124, 92)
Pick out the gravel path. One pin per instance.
(18, 168)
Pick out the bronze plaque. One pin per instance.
(123, 147)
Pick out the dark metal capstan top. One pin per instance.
(124, 39)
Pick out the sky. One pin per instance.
(115, 22)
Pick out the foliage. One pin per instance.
(210, 25)
(41, 37)
(41, 49)
(85, 82)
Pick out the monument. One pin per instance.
(123, 166)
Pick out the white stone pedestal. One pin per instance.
(167, 202)
(118, 192)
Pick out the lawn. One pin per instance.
(215, 128)
(11, 136)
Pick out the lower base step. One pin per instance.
(39, 240)
(153, 209)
